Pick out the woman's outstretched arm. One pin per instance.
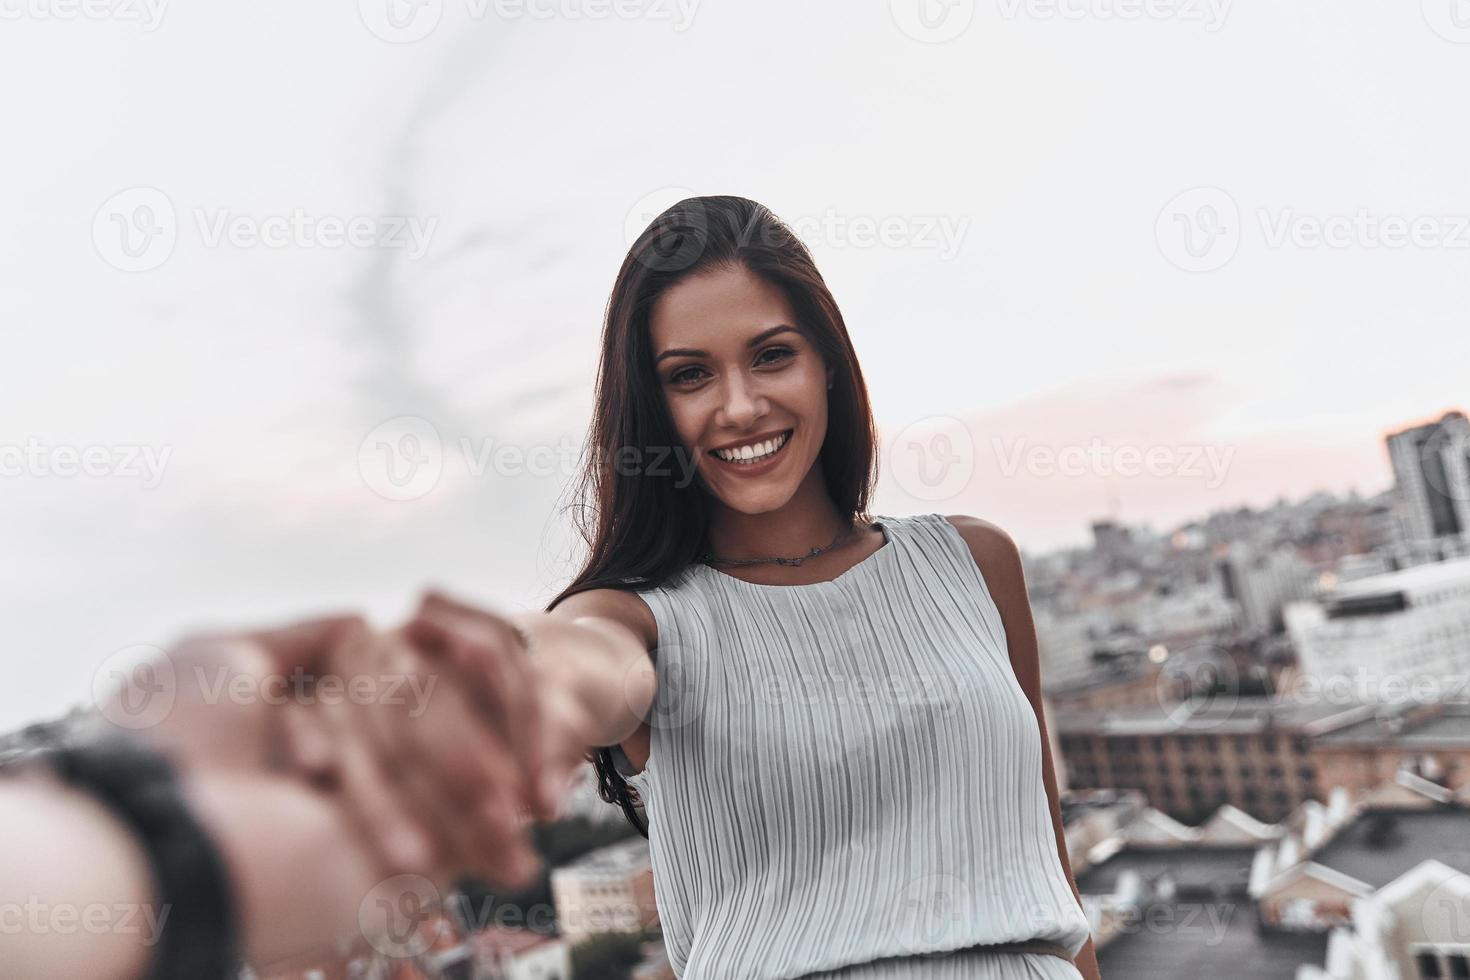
(582, 674)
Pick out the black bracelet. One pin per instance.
(199, 939)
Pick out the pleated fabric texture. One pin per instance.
(848, 772)
(975, 963)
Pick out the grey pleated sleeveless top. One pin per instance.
(846, 771)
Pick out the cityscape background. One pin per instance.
(302, 311)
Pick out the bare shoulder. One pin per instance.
(999, 560)
(994, 550)
(619, 605)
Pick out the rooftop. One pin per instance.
(615, 860)
(1166, 941)
(1078, 803)
(1226, 716)
(1416, 578)
(1442, 832)
(1449, 728)
(1199, 870)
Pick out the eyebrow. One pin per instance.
(755, 341)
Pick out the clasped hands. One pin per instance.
(437, 741)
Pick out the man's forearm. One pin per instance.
(75, 894)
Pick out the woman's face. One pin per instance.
(740, 381)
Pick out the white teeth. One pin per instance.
(755, 451)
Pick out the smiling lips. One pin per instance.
(756, 452)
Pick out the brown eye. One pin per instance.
(685, 375)
(783, 353)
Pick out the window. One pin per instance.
(1438, 962)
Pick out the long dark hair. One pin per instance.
(641, 520)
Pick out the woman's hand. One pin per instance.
(457, 738)
(533, 711)
(438, 763)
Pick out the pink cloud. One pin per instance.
(1152, 450)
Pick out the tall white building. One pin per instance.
(1387, 633)
(1431, 467)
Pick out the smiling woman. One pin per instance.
(835, 724)
(746, 389)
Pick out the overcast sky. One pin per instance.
(261, 258)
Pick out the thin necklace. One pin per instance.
(708, 558)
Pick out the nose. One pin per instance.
(742, 405)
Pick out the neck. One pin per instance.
(808, 520)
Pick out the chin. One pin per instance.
(755, 502)
(758, 497)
